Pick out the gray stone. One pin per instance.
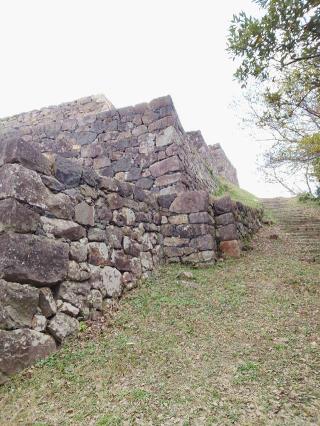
(202, 217)
(166, 180)
(39, 322)
(19, 151)
(124, 216)
(75, 293)
(222, 205)
(171, 164)
(78, 271)
(69, 309)
(190, 202)
(21, 348)
(16, 217)
(60, 206)
(67, 171)
(96, 234)
(95, 299)
(62, 326)
(47, 303)
(84, 214)
(63, 228)
(225, 219)
(23, 184)
(79, 251)
(32, 259)
(167, 137)
(18, 305)
(98, 254)
(227, 232)
(85, 138)
(111, 281)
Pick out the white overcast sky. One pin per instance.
(54, 51)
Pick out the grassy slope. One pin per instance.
(239, 345)
(236, 193)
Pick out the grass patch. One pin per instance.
(237, 194)
(240, 346)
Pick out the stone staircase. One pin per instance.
(300, 222)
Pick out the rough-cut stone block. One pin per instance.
(179, 219)
(186, 231)
(124, 216)
(52, 183)
(200, 257)
(21, 348)
(23, 184)
(60, 206)
(84, 214)
(85, 138)
(175, 241)
(227, 232)
(109, 282)
(230, 248)
(166, 180)
(202, 217)
(39, 322)
(19, 151)
(167, 137)
(190, 202)
(146, 261)
(68, 172)
(78, 271)
(75, 293)
(32, 259)
(62, 326)
(177, 251)
(166, 200)
(171, 164)
(162, 123)
(63, 228)
(47, 303)
(203, 243)
(79, 251)
(222, 205)
(16, 217)
(114, 236)
(18, 304)
(99, 254)
(225, 219)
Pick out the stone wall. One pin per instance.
(215, 157)
(144, 144)
(89, 204)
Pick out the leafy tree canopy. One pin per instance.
(287, 33)
(280, 50)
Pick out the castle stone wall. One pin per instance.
(88, 210)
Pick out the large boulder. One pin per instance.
(16, 217)
(23, 184)
(190, 202)
(21, 348)
(18, 305)
(32, 259)
(19, 151)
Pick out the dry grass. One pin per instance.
(238, 345)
